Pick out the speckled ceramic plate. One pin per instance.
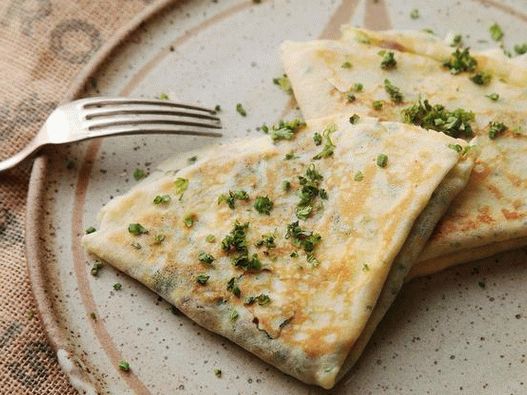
(462, 330)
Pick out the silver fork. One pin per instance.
(110, 116)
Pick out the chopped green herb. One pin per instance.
(136, 245)
(457, 41)
(95, 268)
(311, 259)
(217, 108)
(496, 32)
(125, 366)
(137, 229)
(456, 147)
(357, 87)
(377, 105)
(236, 240)
(351, 97)
(284, 130)
(192, 159)
(310, 183)
(496, 128)
(263, 205)
(414, 14)
(382, 160)
(247, 263)
(162, 199)
(89, 230)
(346, 65)
(139, 174)
(189, 220)
(317, 138)
(481, 78)
(181, 185)
(302, 212)
(233, 287)
(294, 254)
(453, 123)
(429, 31)
(261, 299)
(286, 185)
(163, 96)
(388, 60)
(234, 315)
(231, 198)
(460, 61)
(159, 238)
(241, 110)
(117, 286)
(302, 238)
(267, 241)
(393, 91)
(481, 284)
(354, 119)
(202, 279)
(290, 155)
(329, 147)
(217, 372)
(284, 84)
(493, 96)
(93, 316)
(210, 238)
(520, 49)
(365, 268)
(205, 258)
(358, 176)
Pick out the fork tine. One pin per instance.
(187, 130)
(122, 101)
(110, 112)
(149, 121)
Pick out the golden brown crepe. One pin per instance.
(491, 213)
(295, 281)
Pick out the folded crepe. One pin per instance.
(414, 77)
(289, 248)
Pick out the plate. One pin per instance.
(458, 330)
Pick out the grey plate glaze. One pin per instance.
(462, 330)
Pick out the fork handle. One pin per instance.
(14, 160)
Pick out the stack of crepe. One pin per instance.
(294, 245)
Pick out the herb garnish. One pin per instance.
(261, 299)
(382, 160)
(377, 105)
(496, 128)
(189, 220)
(263, 205)
(496, 32)
(136, 245)
(286, 185)
(346, 65)
(460, 61)
(284, 130)
(206, 258)
(457, 41)
(354, 119)
(162, 199)
(388, 60)
(117, 286)
(481, 78)
(241, 110)
(414, 14)
(90, 229)
(202, 279)
(302, 238)
(283, 83)
(163, 96)
(317, 138)
(139, 174)
(95, 268)
(358, 176)
(456, 147)
(233, 287)
(266, 241)
(357, 87)
(231, 198)
(125, 366)
(454, 123)
(520, 49)
(236, 240)
(247, 263)
(137, 229)
(217, 372)
(234, 313)
(192, 159)
(310, 183)
(351, 97)
(210, 238)
(393, 91)
(493, 96)
(181, 186)
(329, 147)
(290, 155)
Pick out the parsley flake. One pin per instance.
(388, 60)
(241, 110)
(90, 229)
(234, 315)
(290, 155)
(159, 238)
(162, 199)
(382, 160)
(124, 366)
(189, 220)
(205, 258)
(263, 205)
(520, 49)
(377, 105)
(346, 65)
(456, 147)
(457, 41)
(354, 119)
(267, 241)
(202, 279)
(261, 299)
(232, 196)
(139, 174)
(286, 185)
(358, 176)
(137, 229)
(414, 14)
(302, 238)
(95, 268)
(481, 78)
(329, 146)
(496, 128)
(393, 91)
(217, 372)
(284, 84)
(310, 183)
(210, 238)
(181, 185)
(496, 32)
(233, 287)
(284, 130)
(460, 61)
(317, 138)
(493, 96)
(117, 286)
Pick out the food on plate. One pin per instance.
(414, 77)
(289, 244)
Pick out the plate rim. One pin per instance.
(36, 188)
